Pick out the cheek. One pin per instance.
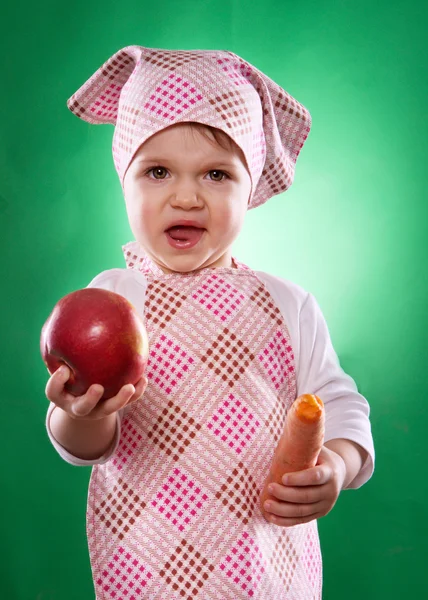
(133, 210)
(149, 216)
(230, 218)
(240, 204)
(140, 212)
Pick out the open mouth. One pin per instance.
(181, 236)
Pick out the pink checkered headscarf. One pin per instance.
(144, 90)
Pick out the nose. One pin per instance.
(186, 195)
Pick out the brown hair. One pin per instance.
(213, 134)
(219, 137)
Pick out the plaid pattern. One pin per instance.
(175, 513)
(143, 90)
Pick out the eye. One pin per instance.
(160, 173)
(218, 173)
(157, 172)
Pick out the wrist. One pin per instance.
(352, 456)
(341, 469)
(85, 439)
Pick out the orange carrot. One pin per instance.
(300, 443)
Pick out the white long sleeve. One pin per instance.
(319, 372)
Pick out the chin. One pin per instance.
(184, 264)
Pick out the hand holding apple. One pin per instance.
(100, 337)
(89, 406)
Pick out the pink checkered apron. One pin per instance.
(174, 514)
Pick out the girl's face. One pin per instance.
(177, 174)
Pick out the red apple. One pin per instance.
(99, 335)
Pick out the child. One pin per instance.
(180, 458)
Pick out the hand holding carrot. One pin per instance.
(308, 494)
(313, 474)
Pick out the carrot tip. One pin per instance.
(309, 407)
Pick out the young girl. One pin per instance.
(180, 459)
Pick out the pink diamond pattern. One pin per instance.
(219, 297)
(130, 439)
(229, 66)
(244, 564)
(172, 97)
(180, 499)
(125, 578)
(311, 559)
(168, 363)
(278, 359)
(234, 424)
(107, 103)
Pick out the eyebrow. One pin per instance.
(218, 162)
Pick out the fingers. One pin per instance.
(288, 514)
(289, 509)
(294, 506)
(88, 406)
(55, 385)
(126, 395)
(110, 405)
(308, 495)
(140, 388)
(74, 406)
(291, 521)
(297, 495)
(318, 475)
(82, 406)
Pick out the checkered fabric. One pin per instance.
(144, 90)
(174, 514)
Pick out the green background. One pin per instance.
(352, 230)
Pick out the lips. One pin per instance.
(184, 238)
(178, 232)
(184, 234)
(185, 223)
